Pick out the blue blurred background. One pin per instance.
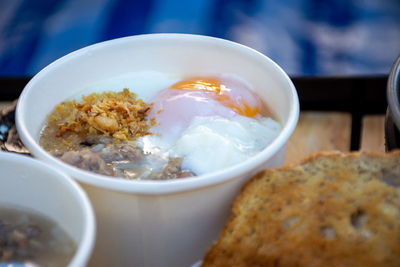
(305, 37)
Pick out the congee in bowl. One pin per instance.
(28, 237)
(45, 217)
(174, 135)
(161, 130)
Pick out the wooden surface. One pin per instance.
(324, 131)
(373, 133)
(319, 131)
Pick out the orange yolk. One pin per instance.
(218, 92)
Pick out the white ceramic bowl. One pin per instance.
(158, 223)
(35, 186)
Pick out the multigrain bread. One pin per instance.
(331, 209)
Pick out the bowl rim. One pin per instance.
(86, 244)
(165, 186)
(392, 92)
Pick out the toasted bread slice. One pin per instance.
(332, 209)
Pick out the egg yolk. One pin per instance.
(218, 92)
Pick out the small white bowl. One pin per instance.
(158, 223)
(37, 187)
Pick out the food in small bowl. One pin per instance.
(162, 222)
(32, 238)
(45, 217)
(331, 209)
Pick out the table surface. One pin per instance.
(326, 131)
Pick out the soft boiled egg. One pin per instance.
(211, 122)
(226, 96)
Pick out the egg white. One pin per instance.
(214, 143)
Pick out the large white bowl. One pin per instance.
(158, 223)
(37, 187)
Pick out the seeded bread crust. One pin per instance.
(332, 209)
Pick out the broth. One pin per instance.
(30, 238)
